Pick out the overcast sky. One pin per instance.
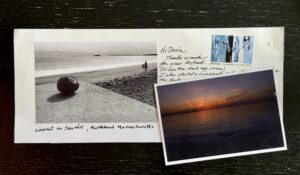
(102, 48)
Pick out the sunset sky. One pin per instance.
(216, 93)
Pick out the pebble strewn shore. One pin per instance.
(138, 86)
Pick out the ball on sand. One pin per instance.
(67, 85)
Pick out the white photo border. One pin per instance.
(27, 130)
(223, 155)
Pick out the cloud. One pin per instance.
(236, 96)
(196, 89)
(234, 90)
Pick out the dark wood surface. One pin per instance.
(144, 158)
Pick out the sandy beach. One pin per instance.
(99, 75)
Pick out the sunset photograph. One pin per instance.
(217, 116)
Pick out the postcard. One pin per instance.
(96, 85)
(224, 116)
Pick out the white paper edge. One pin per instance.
(223, 155)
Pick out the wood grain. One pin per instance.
(144, 158)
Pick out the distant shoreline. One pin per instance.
(230, 106)
(56, 72)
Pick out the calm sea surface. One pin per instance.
(222, 131)
(54, 61)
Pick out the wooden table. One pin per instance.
(144, 158)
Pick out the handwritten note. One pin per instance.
(89, 128)
(176, 63)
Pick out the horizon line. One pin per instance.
(54, 72)
(220, 107)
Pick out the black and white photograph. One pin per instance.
(95, 82)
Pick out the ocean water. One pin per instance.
(222, 131)
(52, 63)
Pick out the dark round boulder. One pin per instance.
(67, 85)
